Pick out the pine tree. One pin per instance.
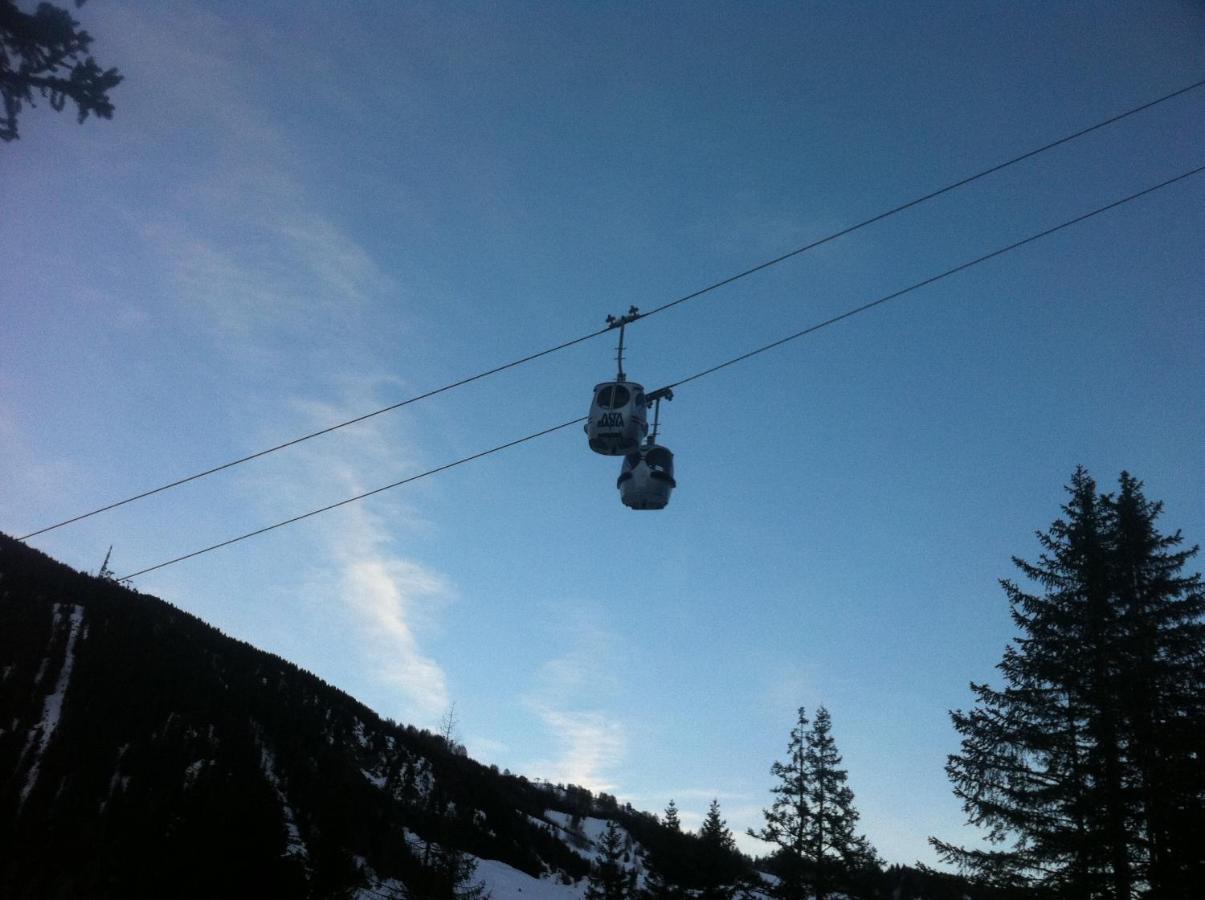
(812, 818)
(1162, 615)
(610, 879)
(717, 857)
(454, 873)
(665, 859)
(672, 822)
(833, 846)
(787, 818)
(1030, 752)
(46, 52)
(1092, 748)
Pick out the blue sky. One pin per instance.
(304, 211)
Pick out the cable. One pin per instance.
(683, 299)
(314, 512)
(314, 434)
(945, 274)
(708, 371)
(922, 199)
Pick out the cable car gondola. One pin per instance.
(647, 478)
(618, 424)
(618, 418)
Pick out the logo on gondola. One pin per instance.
(610, 420)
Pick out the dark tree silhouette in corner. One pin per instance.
(1162, 702)
(45, 52)
(1089, 760)
(812, 818)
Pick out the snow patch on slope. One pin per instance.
(378, 780)
(194, 771)
(586, 833)
(378, 887)
(296, 846)
(505, 883)
(52, 707)
(502, 882)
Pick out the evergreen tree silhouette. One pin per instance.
(1029, 761)
(610, 878)
(718, 864)
(835, 849)
(665, 861)
(455, 871)
(46, 53)
(1088, 761)
(788, 816)
(1162, 700)
(812, 818)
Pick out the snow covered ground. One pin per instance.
(505, 883)
(502, 882)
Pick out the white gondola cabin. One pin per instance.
(647, 478)
(618, 418)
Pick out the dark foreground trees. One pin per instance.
(610, 878)
(668, 862)
(812, 819)
(719, 865)
(1088, 766)
(45, 54)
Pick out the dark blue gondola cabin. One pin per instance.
(618, 418)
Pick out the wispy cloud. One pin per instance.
(591, 744)
(385, 592)
(285, 268)
(392, 599)
(248, 256)
(231, 216)
(568, 700)
(788, 686)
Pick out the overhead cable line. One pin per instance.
(922, 199)
(314, 512)
(705, 372)
(948, 272)
(314, 434)
(683, 299)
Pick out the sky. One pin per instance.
(301, 212)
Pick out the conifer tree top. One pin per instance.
(1082, 762)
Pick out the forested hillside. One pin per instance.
(144, 753)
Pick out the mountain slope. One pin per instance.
(144, 753)
(141, 748)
